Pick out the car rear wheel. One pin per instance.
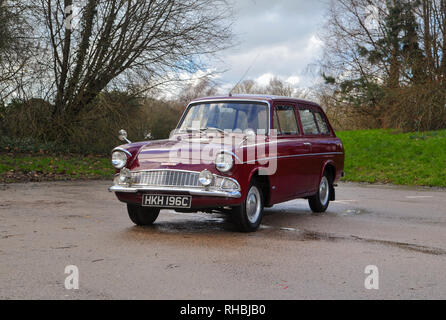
(249, 215)
(320, 201)
(142, 216)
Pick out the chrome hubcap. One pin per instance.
(253, 205)
(324, 191)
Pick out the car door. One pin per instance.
(290, 177)
(311, 136)
(325, 143)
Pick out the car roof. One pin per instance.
(255, 97)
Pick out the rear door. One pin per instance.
(311, 137)
(325, 143)
(290, 178)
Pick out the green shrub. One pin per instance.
(28, 126)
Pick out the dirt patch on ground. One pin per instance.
(18, 176)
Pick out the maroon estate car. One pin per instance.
(235, 154)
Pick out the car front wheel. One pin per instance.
(142, 216)
(320, 201)
(249, 215)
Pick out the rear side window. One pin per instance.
(276, 122)
(287, 120)
(323, 126)
(308, 121)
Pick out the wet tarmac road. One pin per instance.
(296, 255)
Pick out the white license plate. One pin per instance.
(166, 201)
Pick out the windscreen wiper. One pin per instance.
(190, 130)
(215, 129)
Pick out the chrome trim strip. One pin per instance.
(272, 142)
(222, 100)
(123, 150)
(265, 143)
(296, 156)
(177, 170)
(191, 191)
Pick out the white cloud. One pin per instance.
(171, 90)
(272, 17)
(276, 39)
(314, 45)
(264, 79)
(293, 80)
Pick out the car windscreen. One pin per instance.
(227, 116)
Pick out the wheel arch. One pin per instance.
(329, 167)
(265, 184)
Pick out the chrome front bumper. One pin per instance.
(177, 181)
(192, 191)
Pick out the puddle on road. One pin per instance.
(308, 235)
(404, 245)
(401, 245)
(219, 227)
(5, 205)
(355, 212)
(191, 224)
(75, 216)
(34, 203)
(203, 226)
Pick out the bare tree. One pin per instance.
(279, 88)
(386, 45)
(203, 87)
(276, 86)
(15, 48)
(246, 87)
(386, 57)
(124, 44)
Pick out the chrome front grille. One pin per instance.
(176, 179)
(165, 178)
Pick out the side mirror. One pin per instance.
(123, 136)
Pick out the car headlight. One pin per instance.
(206, 178)
(224, 162)
(119, 159)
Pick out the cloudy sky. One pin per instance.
(279, 36)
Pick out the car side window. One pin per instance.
(308, 121)
(276, 123)
(323, 127)
(287, 120)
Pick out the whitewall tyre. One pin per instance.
(248, 216)
(321, 200)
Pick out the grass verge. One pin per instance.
(17, 167)
(373, 156)
(383, 156)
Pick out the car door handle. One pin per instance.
(307, 144)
